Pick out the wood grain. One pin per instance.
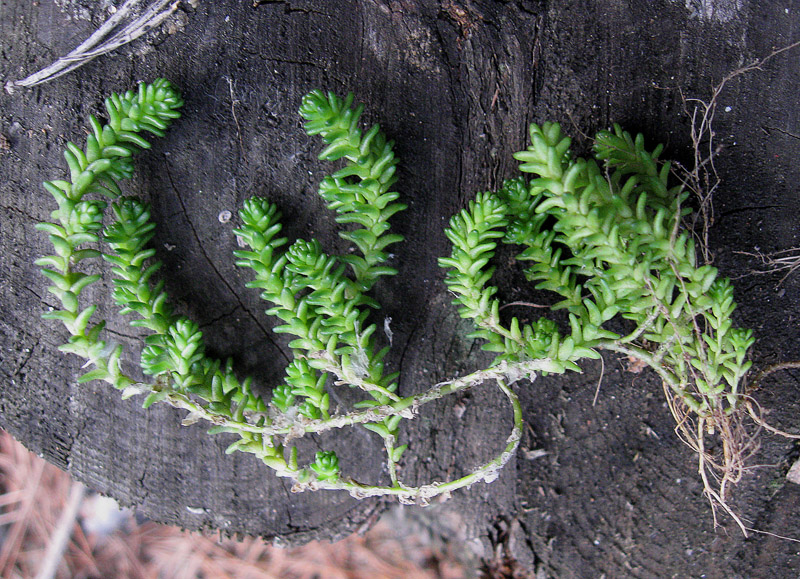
(455, 84)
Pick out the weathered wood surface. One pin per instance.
(455, 83)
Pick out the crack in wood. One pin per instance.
(222, 278)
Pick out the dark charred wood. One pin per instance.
(455, 84)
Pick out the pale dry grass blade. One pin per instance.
(63, 532)
(105, 39)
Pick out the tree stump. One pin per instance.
(603, 488)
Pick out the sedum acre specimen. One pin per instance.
(604, 236)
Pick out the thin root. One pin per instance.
(721, 470)
(755, 413)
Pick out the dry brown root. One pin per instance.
(723, 447)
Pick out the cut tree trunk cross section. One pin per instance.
(601, 484)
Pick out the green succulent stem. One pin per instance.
(95, 171)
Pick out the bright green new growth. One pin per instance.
(78, 221)
(606, 240)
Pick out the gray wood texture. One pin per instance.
(455, 84)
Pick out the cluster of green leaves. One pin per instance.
(605, 235)
(360, 192)
(325, 310)
(320, 306)
(174, 352)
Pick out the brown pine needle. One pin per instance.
(33, 495)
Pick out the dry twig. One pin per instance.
(110, 36)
